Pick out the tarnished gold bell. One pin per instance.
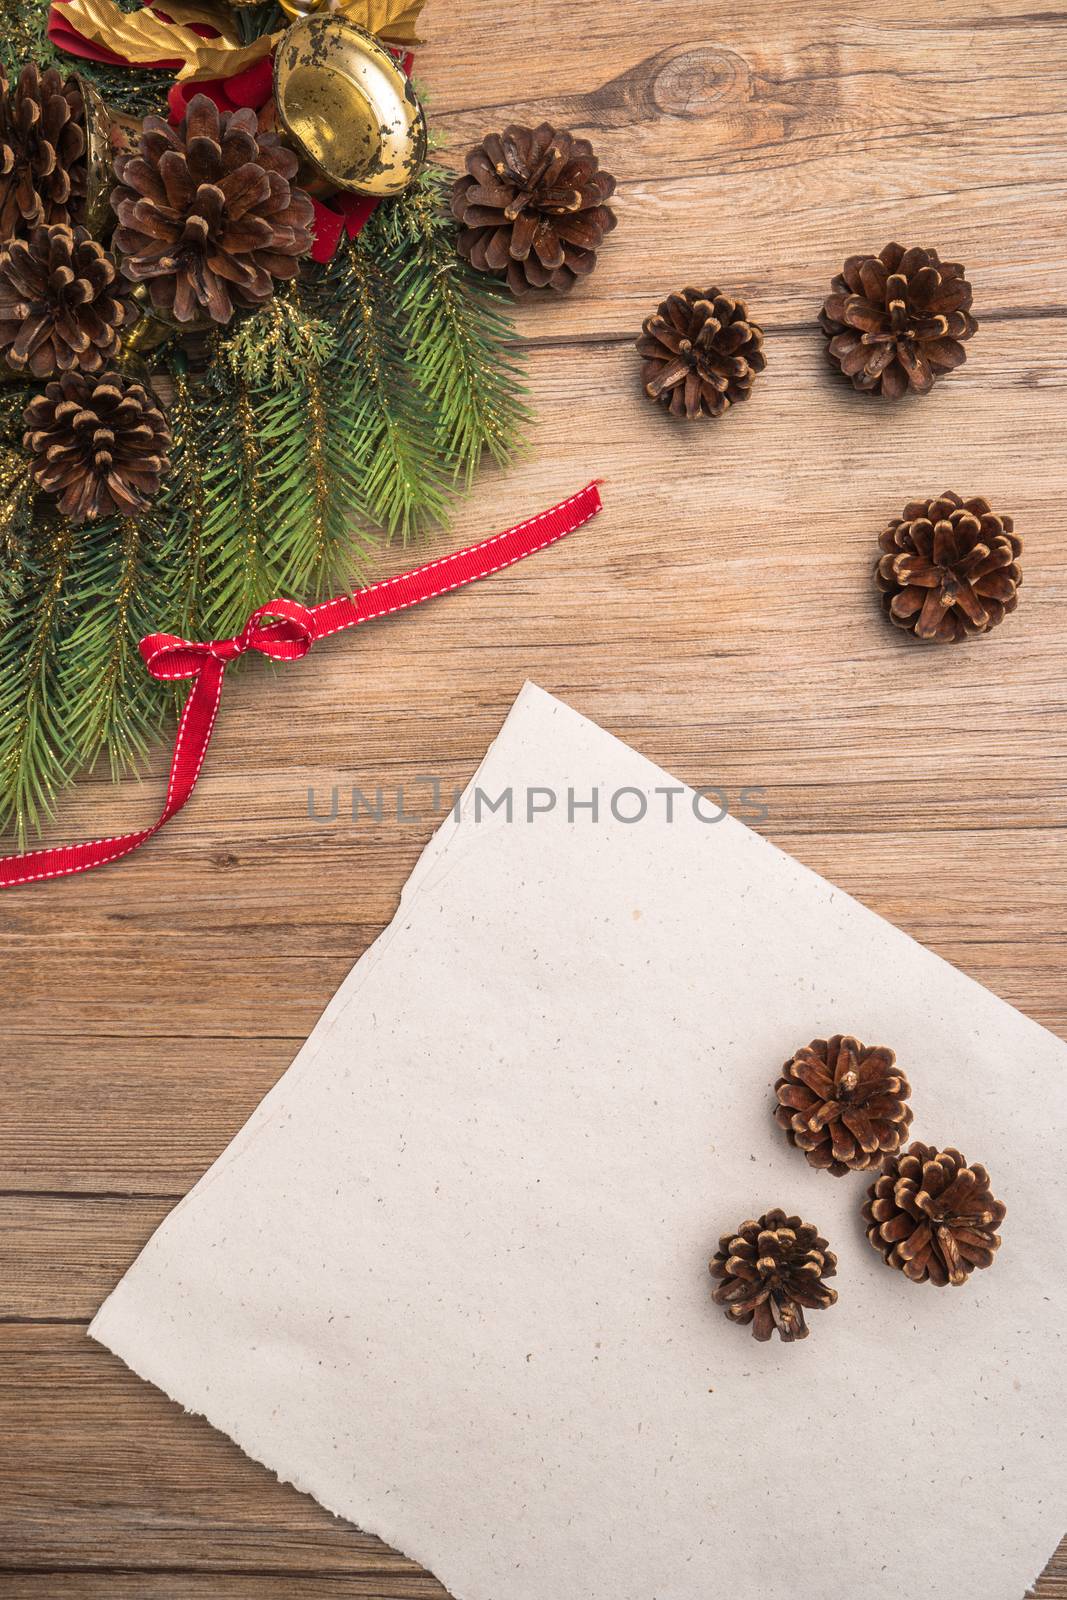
(153, 329)
(347, 108)
(107, 133)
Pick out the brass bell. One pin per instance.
(155, 329)
(107, 134)
(346, 107)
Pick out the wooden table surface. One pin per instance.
(720, 616)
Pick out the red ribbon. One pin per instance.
(285, 631)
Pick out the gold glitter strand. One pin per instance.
(316, 440)
(191, 466)
(250, 460)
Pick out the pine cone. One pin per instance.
(208, 214)
(99, 443)
(42, 151)
(950, 568)
(898, 319)
(532, 208)
(933, 1216)
(701, 353)
(769, 1271)
(844, 1104)
(62, 302)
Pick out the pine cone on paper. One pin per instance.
(208, 214)
(62, 302)
(950, 568)
(98, 443)
(769, 1271)
(532, 208)
(843, 1103)
(933, 1216)
(42, 151)
(701, 353)
(898, 320)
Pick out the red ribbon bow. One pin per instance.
(290, 636)
(284, 630)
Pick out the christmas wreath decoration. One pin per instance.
(238, 345)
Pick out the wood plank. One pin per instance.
(60, 1256)
(719, 616)
(111, 1583)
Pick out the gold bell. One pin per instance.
(347, 108)
(154, 329)
(107, 134)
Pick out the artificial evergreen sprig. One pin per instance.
(36, 754)
(458, 327)
(401, 482)
(274, 348)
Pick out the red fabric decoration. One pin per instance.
(285, 631)
(253, 87)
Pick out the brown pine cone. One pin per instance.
(62, 302)
(701, 353)
(843, 1103)
(933, 1216)
(531, 208)
(42, 151)
(98, 443)
(769, 1270)
(950, 568)
(898, 320)
(208, 214)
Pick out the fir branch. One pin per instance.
(308, 488)
(457, 327)
(386, 420)
(241, 561)
(36, 758)
(273, 348)
(112, 703)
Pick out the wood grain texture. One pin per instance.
(720, 616)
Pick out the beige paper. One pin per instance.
(451, 1277)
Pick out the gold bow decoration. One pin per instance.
(144, 36)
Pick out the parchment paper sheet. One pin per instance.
(451, 1277)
